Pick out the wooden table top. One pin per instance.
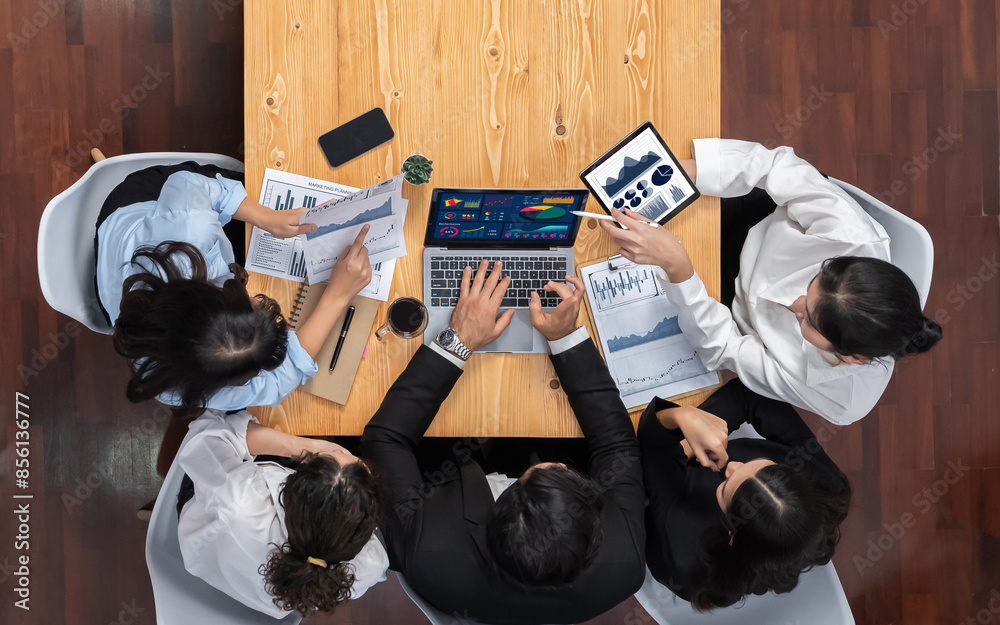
(497, 94)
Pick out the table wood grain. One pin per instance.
(498, 94)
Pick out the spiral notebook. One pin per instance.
(335, 385)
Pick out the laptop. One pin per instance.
(531, 230)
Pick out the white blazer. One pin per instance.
(760, 340)
(233, 522)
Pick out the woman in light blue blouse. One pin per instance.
(168, 280)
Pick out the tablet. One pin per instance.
(641, 173)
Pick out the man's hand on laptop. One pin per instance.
(562, 320)
(475, 317)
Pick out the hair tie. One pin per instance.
(316, 561)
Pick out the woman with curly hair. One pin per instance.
(278, 522)
(168, 280)
(727, 519)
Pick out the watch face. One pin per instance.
(446, 338)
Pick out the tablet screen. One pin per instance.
(641, 174)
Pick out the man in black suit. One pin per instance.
(557, 546)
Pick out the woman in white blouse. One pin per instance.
(819, 315)
(277, 538)
(168, 280)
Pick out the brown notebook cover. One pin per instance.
(336, 385)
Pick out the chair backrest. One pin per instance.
(66, 232)
(818, 599)
(910, 245)
(179, 597)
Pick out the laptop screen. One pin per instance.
(504, 217)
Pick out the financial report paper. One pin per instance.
(286, 258)
(641, 340)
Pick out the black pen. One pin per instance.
(343, 335)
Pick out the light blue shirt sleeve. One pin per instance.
(268, 388)
(191, 208)
(188, 191)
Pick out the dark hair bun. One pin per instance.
(925, 338)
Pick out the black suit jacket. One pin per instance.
(682, 499)
(435, 528)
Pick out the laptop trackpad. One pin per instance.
(516, 338)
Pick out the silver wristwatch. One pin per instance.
(450, 343)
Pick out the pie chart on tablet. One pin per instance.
(662, 175)
(542, 213)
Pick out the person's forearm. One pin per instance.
(250, 212)
(679, 271)
(671, 417)
(691, 168)
(262, 440)
(318, 326)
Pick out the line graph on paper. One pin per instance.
(640, 334)
(616, 288)
(381, 237)
(646, 349)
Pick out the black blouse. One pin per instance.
(681, 492)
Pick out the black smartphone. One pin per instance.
(351, 140)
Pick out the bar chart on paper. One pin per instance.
(286, 258)
(279, 196)
(640, 334)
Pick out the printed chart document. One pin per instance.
(285, 258)
(381, 206)
(639, 335)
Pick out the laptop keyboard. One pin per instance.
(527, 273)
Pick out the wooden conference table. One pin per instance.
(498, 94)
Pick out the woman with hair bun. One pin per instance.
(280, 523)
(812, 312)
(727, 519)
(168, 280)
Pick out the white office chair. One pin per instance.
(179, 597)
(818, 599)
(910, 246)
(66, 232)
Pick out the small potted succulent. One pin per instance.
(417, 169)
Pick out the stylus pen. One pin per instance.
(610, 218)
(343, 335)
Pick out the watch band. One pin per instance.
(457, 347)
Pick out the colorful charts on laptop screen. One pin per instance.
(504, 216)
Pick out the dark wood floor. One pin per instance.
(899, 97)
